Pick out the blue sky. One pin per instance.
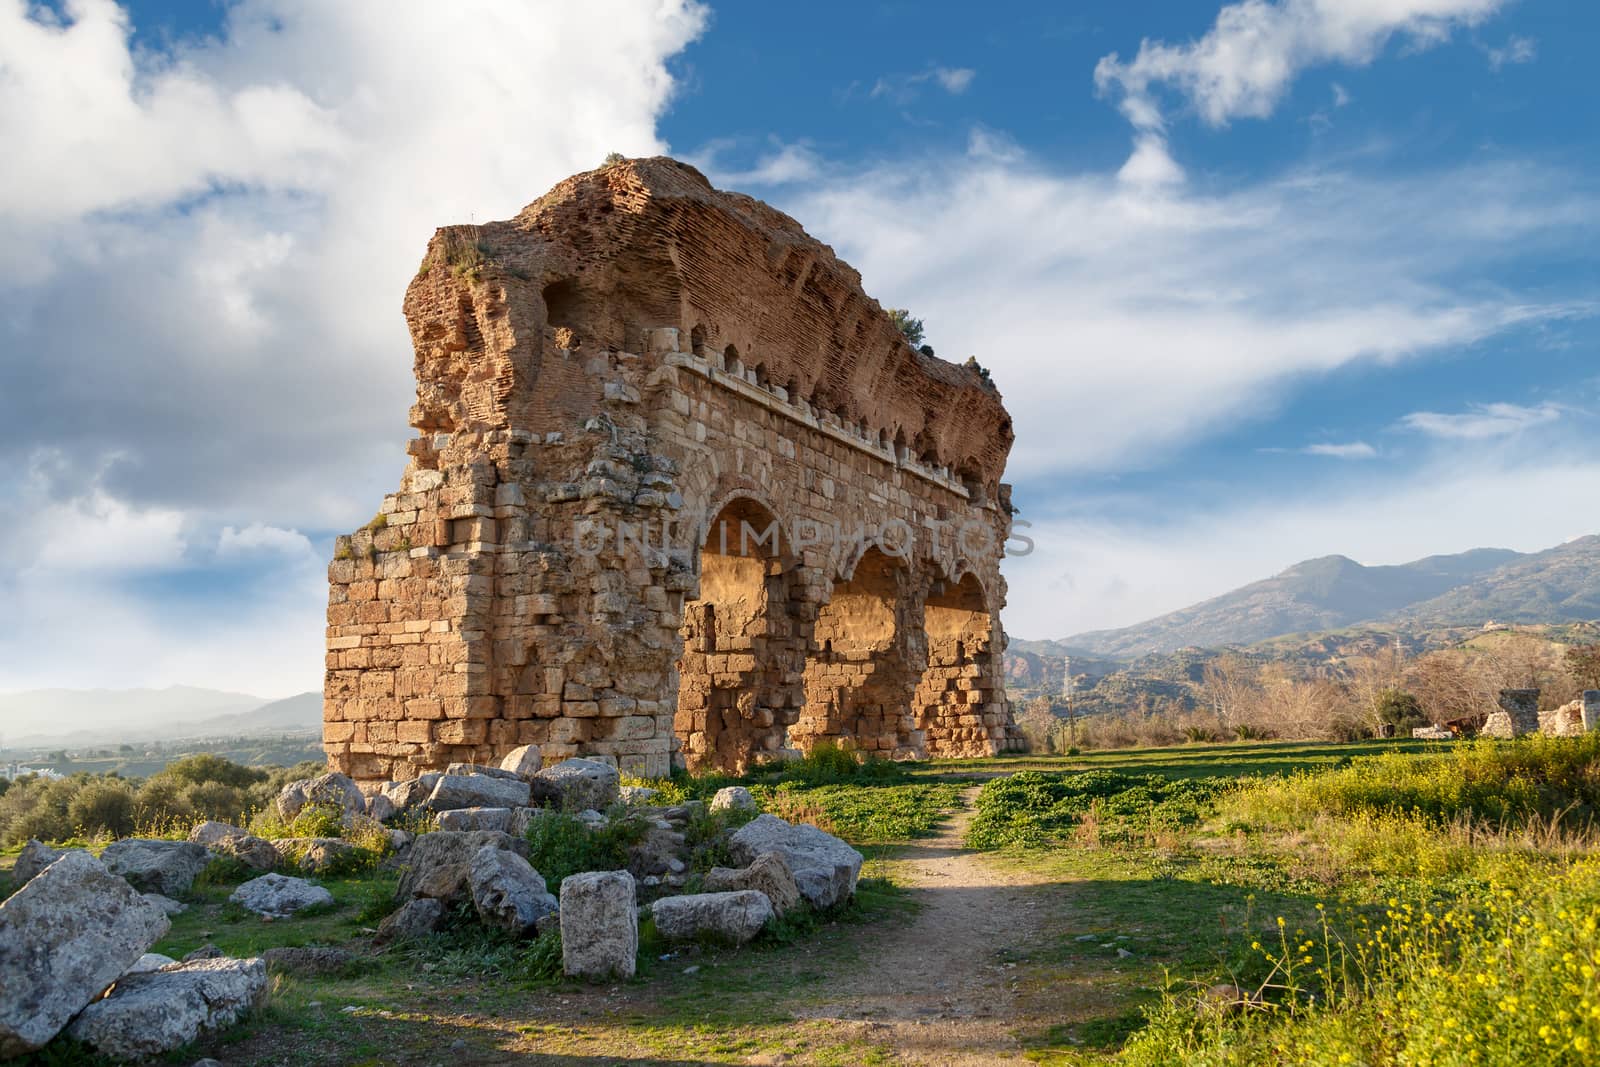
(1259, 281)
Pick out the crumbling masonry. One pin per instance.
(681, 493)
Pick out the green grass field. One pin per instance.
(1374, 903)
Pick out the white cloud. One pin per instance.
(1341, 95)
(1483, 422)
(954, 80)
(95, 532)
(904, 88)
(202, 253)
(1347, 450)
(1091, 573)
(260, 538)
(1123, 320)
(1151, 164)
(216, 228)
(1246, 62)
(785, 164)
(1517, 49)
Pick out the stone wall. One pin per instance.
(681, 492)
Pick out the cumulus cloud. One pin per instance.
(203, 250)
(1482, 422)
(1246, 62)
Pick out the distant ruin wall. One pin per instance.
(682, 492)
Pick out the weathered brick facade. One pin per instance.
(681, 491)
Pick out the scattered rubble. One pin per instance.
(731, 918)
(599, 925)
(825, 868)
(64, 937)
(148, 1014)
(507, 892)
(769, 874)
(278, 896)
(156, 866)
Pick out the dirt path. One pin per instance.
(939, 990)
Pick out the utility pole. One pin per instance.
(1067, 688)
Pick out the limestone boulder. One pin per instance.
(478, 791)
(439, 863)
(733, 798)
(486, 769)
(34, 857)
(254, 852)
(381, 808)
(599, 925)
(150, 961)
(279, 896)
(409, 794)
(412, 920)
(155, 866)
(577, 784)
(166, 904)
(731, 918)
(331, 790)
(768, 874)
(507, 892)
(637, 795)
(661, 851)
(150, 1014)
(64, 937)
(523, 762)
(825, 868)
(476, 819)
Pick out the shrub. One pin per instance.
(1399, 709)
(102, 808)
(909, 327)
(561, 844)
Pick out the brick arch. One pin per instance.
(960, 699)
(740, 642)
(864, 661)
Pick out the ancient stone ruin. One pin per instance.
(681, 491)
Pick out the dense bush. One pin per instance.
(1399, 709)
(165, 804)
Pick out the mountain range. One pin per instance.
(110, 716)
(1484, 585)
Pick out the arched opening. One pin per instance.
(730, 361)
(733, 703)
(697, 340)
(561, 311)
(859, 676)
(956, 700)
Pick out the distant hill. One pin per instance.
(99, 716)
(1329, 593)
(1561, 584)
(299, 714)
